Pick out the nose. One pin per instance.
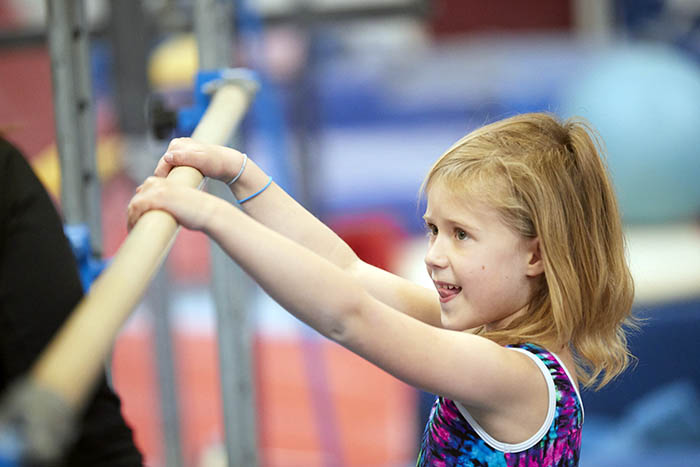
(436, 257)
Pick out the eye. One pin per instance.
(461, 234)
(431, 229)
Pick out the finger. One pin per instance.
(176, 143)
(190, 156)
(179, 156)
(145, 199)
(152, 182)
(138, 206)
(164, 167)
(167, 161)
(133, 213)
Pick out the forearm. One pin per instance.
(280, 212)
(287, 270)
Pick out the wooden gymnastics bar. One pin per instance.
(73, 359)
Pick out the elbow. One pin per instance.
(337, 331)
(344, 326)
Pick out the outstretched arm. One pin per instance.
(277, 210)
(458, 365)
(291, 274)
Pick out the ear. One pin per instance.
(535, 265)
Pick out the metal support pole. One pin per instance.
(75, 116)
(231, 289)
(230, 286)
(165, 364)
(130, 34)
(594, 21)
(213, 30)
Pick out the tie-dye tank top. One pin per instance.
(453, 438)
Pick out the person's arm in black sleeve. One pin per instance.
(39, 287)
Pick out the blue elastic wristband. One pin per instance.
(248, 198)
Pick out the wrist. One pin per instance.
(218, 216)
(241, 168)
(252, 179)
(251, 196)
(212, 211)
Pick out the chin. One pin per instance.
(459, 320)
(452, 324)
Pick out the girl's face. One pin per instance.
(484, 272)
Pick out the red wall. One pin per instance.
(468, 16)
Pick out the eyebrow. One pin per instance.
(453, 222)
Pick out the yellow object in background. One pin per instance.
(173, 63)
(109, 162)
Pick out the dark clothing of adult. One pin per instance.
(39, 286)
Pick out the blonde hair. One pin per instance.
(547, 179)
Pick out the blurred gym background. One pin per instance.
(356, 100)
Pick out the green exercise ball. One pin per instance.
(645, 102)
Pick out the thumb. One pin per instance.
(164, 166)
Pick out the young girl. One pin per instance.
(526, 251)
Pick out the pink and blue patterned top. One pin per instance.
(453, 438)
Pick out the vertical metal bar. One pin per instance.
(213, 31)
(594, 21)
(73, 108)
(231, 289)
(128, 34)
(165, 363)
(130, 30)
(85, 121)
(59, 26)
(230, 286)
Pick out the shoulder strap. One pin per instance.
(558, 371)
(544, 428)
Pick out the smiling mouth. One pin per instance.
(447, 291)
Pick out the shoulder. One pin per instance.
(559, 364)
(543, 396)
(558, 371)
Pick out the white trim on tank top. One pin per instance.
(568, 375)
(534, 439)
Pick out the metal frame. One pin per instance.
(231, 288)
(75, 116)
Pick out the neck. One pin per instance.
(505, 322)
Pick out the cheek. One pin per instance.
(473, 268)
(489, 277)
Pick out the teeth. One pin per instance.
(446, 286)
